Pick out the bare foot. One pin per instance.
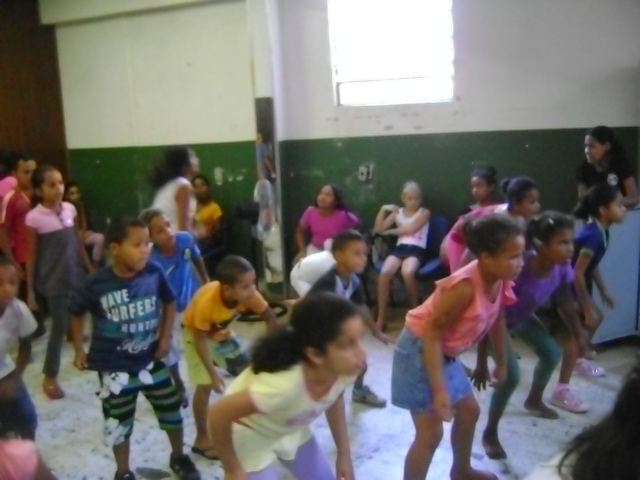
(52, 389)
(540, 409)
(472, 474)
(493, 447)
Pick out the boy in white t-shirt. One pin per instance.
(298, 373)
(17, 412)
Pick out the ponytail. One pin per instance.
(516, 189)
(542, 227)
(316, 321)
(597, 197)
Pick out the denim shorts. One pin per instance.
(410, 387)
(18, 413)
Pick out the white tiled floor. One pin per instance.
(70, 432)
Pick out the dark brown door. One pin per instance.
(31, 117)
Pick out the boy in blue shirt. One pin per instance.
(179, 256)
(133, 308)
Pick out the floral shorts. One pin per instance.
(119, 395)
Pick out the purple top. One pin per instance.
(532, 292)
(324, 227)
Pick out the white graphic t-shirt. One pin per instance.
(286, 411)
(15, 323)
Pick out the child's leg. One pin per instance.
(310, 463)
(499, 401)
(466, 413)
(96, 242)
(163, 397)
(562, 396)
(59, 308)
(389, 269)
(409, 268)
(363, 394)
(17, 412)
(119, 411)
(535, 335)
(200, 406)
(428, 436)
(173, 358)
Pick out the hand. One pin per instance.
(500, 374)
(442, 406)
(31, 301)
(480, 376)
(91, 267)
(608, 300)
(383, 337)
(164, 345)
(217, 383)
(235, 475)
(80, 360)
(344, 467)
(390, 208)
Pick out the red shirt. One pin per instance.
(15, 206)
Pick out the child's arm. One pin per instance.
(570, 315)
(32, 254)
(77, 337)
(381, 223)
(221, 416)
(606, 297)
(201, 341)
(373, 327)
(166, 328)
(480, 375)
(5, 246)
(338, 425)
(24, 354)
(413, 226)
(447, 311)
(201, 270)
(183, 204)
(497, 335)
(270, 318)
(588, 307)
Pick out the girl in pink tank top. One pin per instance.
(427, 378)
(522, 202)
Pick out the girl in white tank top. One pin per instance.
(412, 228)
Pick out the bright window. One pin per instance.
(391, 51)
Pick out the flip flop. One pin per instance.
(203, 453)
